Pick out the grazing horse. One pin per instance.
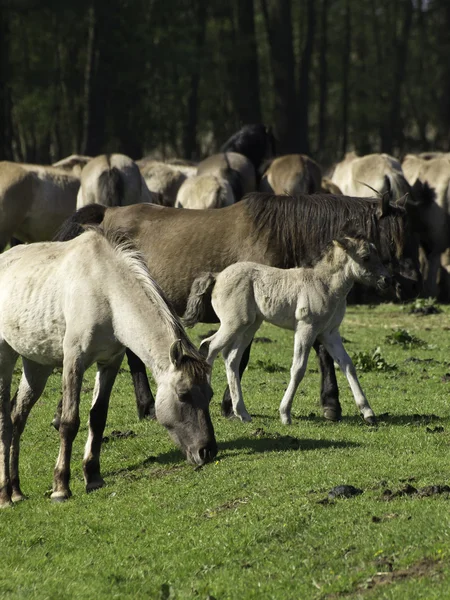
(164, 180)
(311, 301)
(34, 201)
(205, 191)
(240, 159)
(284, 232)
(291, 174)
(429, 177)
(112, 180)
(79, 303)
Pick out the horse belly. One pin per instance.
(276, 312)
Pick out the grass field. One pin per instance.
(258, 522)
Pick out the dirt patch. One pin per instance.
(263, 340)
(410, 490)
(118, 435)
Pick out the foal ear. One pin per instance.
(176, 353)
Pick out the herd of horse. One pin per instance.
(130, 257)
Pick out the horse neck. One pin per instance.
(337, 275)
(144, 326)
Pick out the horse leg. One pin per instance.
(302, 345)
(333, 343)
(7, 361)
(329, 391)
(227, 404)
(32, 384)
(106, 375)
(145, 402)
(70, 422)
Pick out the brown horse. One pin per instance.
(281, 231)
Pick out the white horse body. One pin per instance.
(310, 301)
(80, 302)
(112, 180)
(205, 191)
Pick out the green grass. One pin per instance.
(253, 524)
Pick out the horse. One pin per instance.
(73, 163)
(79, 303)
(165, 179)
(380, 172)
(34, 201)
(205, 191)
(240, 159)
(429, 176)
(311, 301)
(291, 174)
(279, 231)
(112, 180)
(328, 187)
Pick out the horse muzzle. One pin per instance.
(201, 456)
(384, 283)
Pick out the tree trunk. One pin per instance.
(277, 15)
(246, 85)
(90, 141)
(5, 93)
(323, 80)
(305, 66)
(190, 143)
(393, 132)
(345, 76)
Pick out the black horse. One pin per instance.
(282, 231)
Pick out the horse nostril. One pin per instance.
(207, 453)
(203, 454)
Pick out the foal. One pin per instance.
(311, 301)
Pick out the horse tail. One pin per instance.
(91, 214)
(111, 187)
(195, 307)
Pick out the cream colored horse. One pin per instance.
(164, 180)
(292, 174)
(80, 302)
(34, 201)
(112, 180)
(205, 191)
(73, 163)
(236, 168)
(432, 173)
(311, 301)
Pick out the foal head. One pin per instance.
(182, 405)
(364, 261)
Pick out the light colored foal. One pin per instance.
(310, 301)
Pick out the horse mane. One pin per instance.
(251, 141)
(299, 228)
(192, 361)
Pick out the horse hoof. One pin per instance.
(331, 414)
(245, 417)
(371, 420)
(94, 485)
(286, 420)
(59, 497)
(6, 504)
(18, 497)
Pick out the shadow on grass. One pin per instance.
(273, 443)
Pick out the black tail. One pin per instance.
(91, 214)
(195, 305)
(110, 187)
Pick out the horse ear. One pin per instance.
(176, 353)
(383, 209)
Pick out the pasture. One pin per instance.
(257, 522)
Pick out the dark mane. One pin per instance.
(195, 367)
(301, 227)
(252, 141)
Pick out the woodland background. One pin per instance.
(178, 77)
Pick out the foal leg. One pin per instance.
(303, 341)
(329, 391)
(32, 384)
(7, 361)
(106, 375)
(227, 405)
(145, 402)
(333, 344)
(73, 371)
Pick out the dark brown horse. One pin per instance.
(275, 230)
